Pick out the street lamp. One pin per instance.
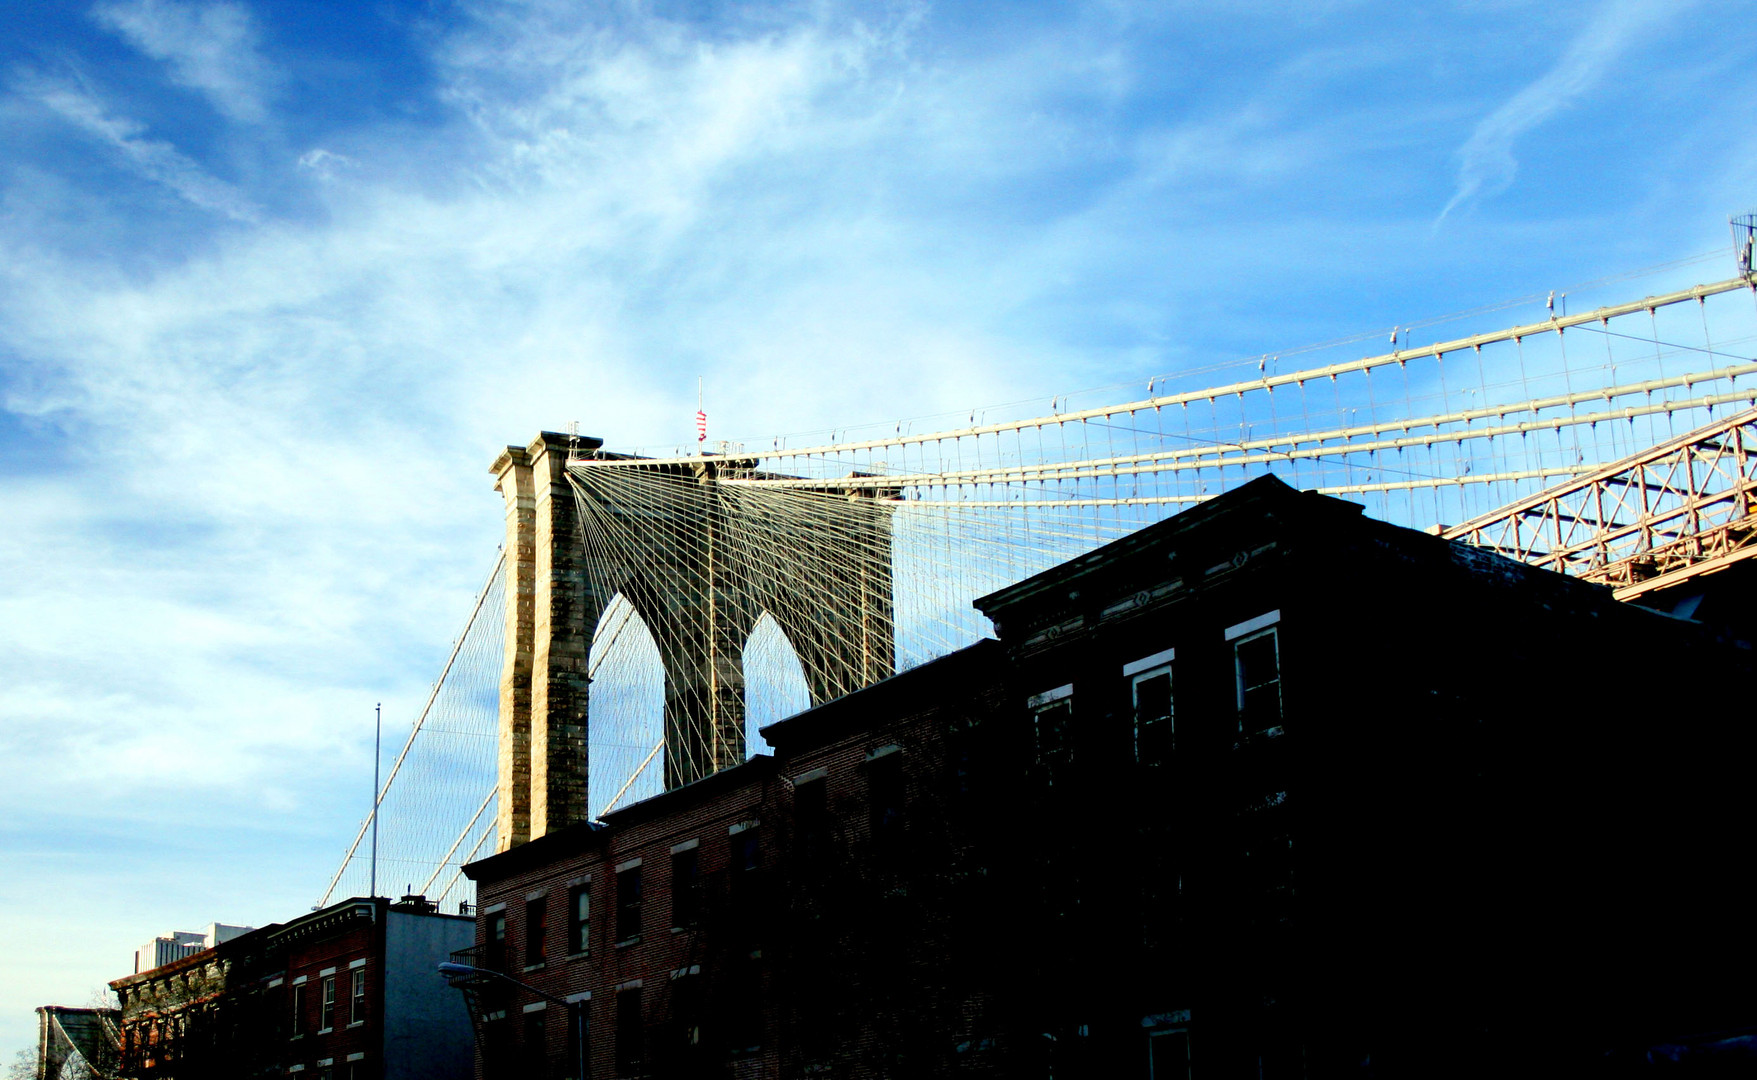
(576, 1010)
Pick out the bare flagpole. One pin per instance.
(377, 735)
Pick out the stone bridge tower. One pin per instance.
(700, 558)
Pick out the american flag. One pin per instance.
(701, 426)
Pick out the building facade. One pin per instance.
(1266, 790)
(345, 993)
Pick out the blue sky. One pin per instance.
(278, 278)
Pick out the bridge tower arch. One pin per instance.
(701, 558)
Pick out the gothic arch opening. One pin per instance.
(627, 731)
(774, 682)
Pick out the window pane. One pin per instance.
(1054, 732)
(811, 814)
(536, 930)
(357, 1007)
(885, 789)
(628, 1033)
(1168, 1056)
(579, 907)
(536, 1045)
(1258, 664)
(578, 1040)
(497, 941)
(685, 906)
(628, 904)
(745, 854)
(1154, 727)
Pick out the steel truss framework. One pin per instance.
(1649, 521)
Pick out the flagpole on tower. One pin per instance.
(701, 421)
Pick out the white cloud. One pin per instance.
(325, 164)
(273, 507)
(153, 159)
(213, 48)
(1486, 162)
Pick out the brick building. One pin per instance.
(344, 993)
(1268, 789)
(686, 922)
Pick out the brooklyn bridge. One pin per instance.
(648, 612)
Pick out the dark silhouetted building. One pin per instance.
(1268, 789)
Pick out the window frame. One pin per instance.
(811, 814)
(1264, 627)
(1144, 670)
(536, 932)
(326, 1009)
(686, 891)
(1053, 760)
(628, 904)
(495, 940)
(298, 1006)
(579, 918)
(579, 1035)
(630, 1050)
(887, 797)
(357, 997)
(534, 1053)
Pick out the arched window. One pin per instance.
(774, 682)
(627, 711)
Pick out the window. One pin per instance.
(1155, 724)
(578, 1039)
(496, 951)
(686, 1016)
(357, 999)
(744, 1020)
(497, 1043)
(1168, 1054)
(884, 788)
(1052, 716)
(298, 1017)
(686, 896)
(746, 855)
(326, 1017)
(1256, 656)
(579, 919)
(536, 932)
(629, 1056)
(628, 904)
(534, 1047)
(811, 816)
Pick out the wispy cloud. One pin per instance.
(1486, 162)
(212, 48)
(154, 159)
(272, 509)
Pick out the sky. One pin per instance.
(278, 279)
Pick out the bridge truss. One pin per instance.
(1648, 522)
(1612, 443)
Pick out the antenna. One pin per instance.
(377, 735)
